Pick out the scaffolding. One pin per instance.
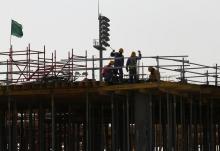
(33, 66)
(56, 104)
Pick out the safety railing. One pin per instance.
(33, 66)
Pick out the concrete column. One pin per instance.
(143, 122)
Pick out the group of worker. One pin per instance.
(113, 71)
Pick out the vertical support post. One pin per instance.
(100, 51)
(142, 71)
(10, 77)
(38, 65)
(216, 75)
(127, 123)
(168, 141)
(86, 66)
(201, 124)
(44, 61)
(142, 123)
(30, 126)
(150, 119)
(160, 125)
(53, 121)
(212, 140)
(2, 137)
(72, 66)
(102, 141)
(87, 120)
(22, 142)
(41, 128)
(113, 122)
(182, 123)
(52, 65)
(175, 127)
(69, 66)
(7, 74)
(183, 71)
(29, 60)
(101, 64)
(69, 130)
(9, 124)
(207, 77)
(27, 64)
(138, 69)
(190, 145)
(55, 63)
(14, 126)
(93, 67)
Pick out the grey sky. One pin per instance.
(156, 27)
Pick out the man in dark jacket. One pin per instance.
(131, 66)
(119, 63)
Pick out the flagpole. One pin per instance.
(10, 59)
(98, 8)
(10, 36)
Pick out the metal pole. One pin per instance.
(29, 60)
(93, 67)
(9, 124)
(127, 123)
(38, 66)
(100, 51)
(212, 135)
(113, 122)
(72, 66)
(41, 128)
(44, 62)
(200, 122)
(55, 60)
(142, 71)
(183, 71)
(207, 77)
(52, 64)
(53, 121)
(101, 64)
(86, 67)
(216, 75)
(87, 119)
(175, 139)
(168, 123)
(150, 118)
(160, 125)
(190, 145)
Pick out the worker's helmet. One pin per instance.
(150, 68)
(133, 54)
(111, 62)
(121, 50)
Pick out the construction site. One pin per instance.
(51, 104)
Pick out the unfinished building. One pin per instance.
(48, 104)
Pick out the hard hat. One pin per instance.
(121, 50)
(150, 68)
(133, 54)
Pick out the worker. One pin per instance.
(154, 74)
(119, 63)
(131, 66)
(107, 72)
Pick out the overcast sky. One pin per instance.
(156, 27)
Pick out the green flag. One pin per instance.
(16, 29)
